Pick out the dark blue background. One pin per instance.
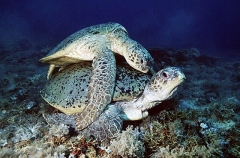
(212, 26)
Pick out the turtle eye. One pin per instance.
(164, 74)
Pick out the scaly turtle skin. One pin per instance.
(134, 94)
(98, 43)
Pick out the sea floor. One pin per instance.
(202, 120)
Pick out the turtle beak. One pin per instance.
(182, 76)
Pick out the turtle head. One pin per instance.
(138, 57)
(162, 86)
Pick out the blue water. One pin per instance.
(211, 26)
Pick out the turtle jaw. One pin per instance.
(169, 92)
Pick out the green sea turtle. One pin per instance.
(134, 94)
(98, 43)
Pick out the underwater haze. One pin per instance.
(212, 26)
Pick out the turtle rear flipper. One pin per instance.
(105, 127)
(101, 88)
(107, 124)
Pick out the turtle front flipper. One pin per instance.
(101, 88)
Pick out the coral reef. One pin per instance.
(179, 138)
(127, 143)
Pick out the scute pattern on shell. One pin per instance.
(67, 89)
(129, 83)
(100, 29)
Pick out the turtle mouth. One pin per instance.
(173, 88)
(144, 69)
(147, 68)
(178, 82)
(172, 92)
